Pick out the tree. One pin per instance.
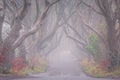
(112, 18)
(110, 10)
(19, 10)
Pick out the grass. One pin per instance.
(95, 70)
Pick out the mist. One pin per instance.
(59, 39)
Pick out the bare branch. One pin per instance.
(92, 8)
(23, 12)
(74, 39)
(35, 26)
(94, 30)
(55, 46)
(6, 4)
(79, 3)
(37, 10)
(46, 10)
(76, 32)
(17, 25)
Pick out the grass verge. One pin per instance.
(98, 71)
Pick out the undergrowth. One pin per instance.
(97, 70)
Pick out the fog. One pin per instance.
(56, 38)
(64, 59)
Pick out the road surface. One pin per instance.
(57, 78)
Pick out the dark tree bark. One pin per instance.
(111, 18)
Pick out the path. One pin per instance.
(39, 77)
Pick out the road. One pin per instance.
(55, 76)
(59, 78)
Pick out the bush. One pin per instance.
(94, 69)
(99, 70)
(3, 69)
(105, 64)
(38, 64)
(18, 64)
(93, 46)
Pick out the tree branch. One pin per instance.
(94, 30)
(37, 10)
(92, 8)
(35, 26)
(16, 26)
(21, 14)
(74, 39)
(54, 46)
(76, 32)
(2, 20)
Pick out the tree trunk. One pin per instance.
(113, 45)
(23, 52)
(7, 57)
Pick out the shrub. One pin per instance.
(18, 64)
(93, 69)
(99, 69)
(105, 64)
(37, 62)
(93, 46)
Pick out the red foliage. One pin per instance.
(104, 63)
(18, 64)
(2, 59)
(2, 56)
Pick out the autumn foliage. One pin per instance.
(2, 59)
(2, 56)
(36, 62)
(105, 64)
(100, 69)
(18, 64)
